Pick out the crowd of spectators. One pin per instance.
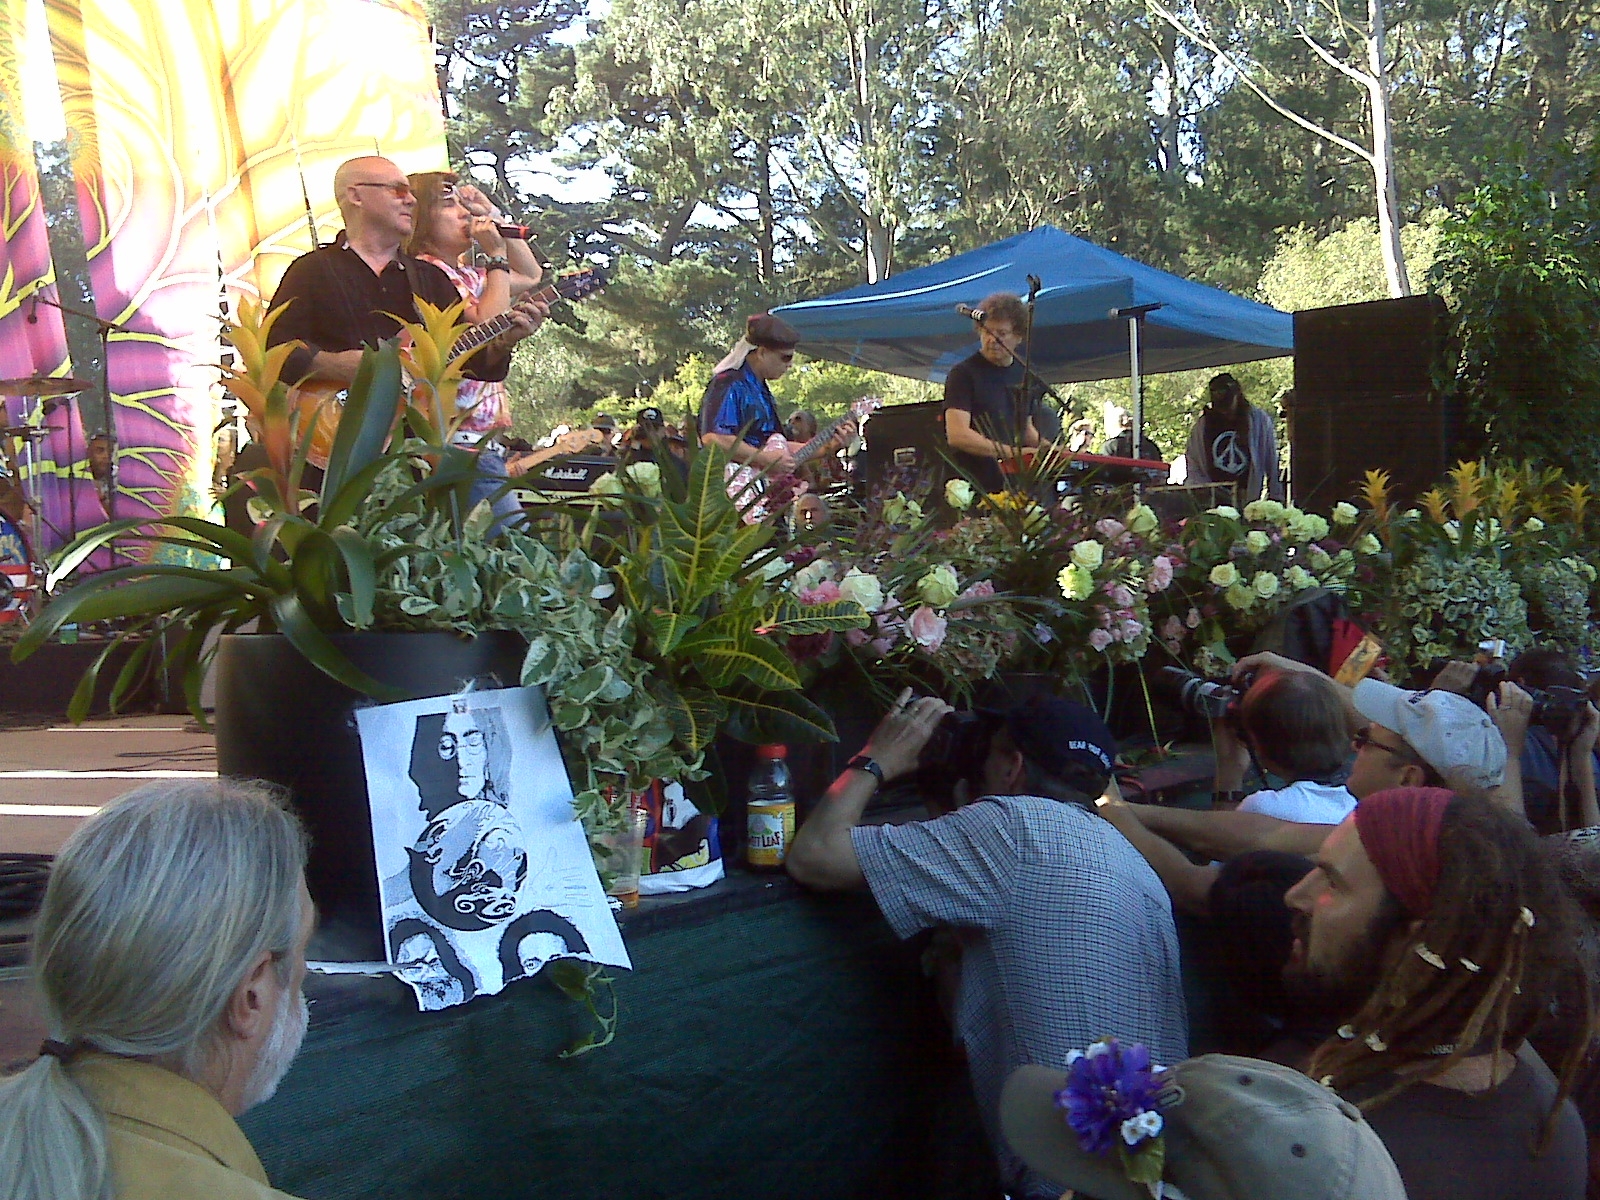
(1408, 909)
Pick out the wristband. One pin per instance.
(498, 263)
(862, 763)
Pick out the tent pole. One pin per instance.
(1136, 385)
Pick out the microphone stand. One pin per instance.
(104, 330)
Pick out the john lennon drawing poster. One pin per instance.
(483, 871)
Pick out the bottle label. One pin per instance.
(770, 825)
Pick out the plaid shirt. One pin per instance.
(1072, 935)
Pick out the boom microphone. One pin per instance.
(972, 314)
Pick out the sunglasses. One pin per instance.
(398, 190)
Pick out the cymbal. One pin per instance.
(44, 385)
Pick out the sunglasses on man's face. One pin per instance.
(399, 191)
(1363, 738)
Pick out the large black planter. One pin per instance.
(279, 718)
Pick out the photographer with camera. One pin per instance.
(1295, 726)
(1544, 714)
(1064, 931)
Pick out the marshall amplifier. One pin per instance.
(572, 474)
(905, 443)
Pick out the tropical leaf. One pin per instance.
(372, 404)
(294, 623)
(694, 713)
(790, 617)
(724, 653)
(762, 717)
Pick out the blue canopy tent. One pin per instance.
(1097, 315)
(908, 325)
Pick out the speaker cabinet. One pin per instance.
(1366, 398)
(905, 446)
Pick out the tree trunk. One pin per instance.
(1169, 120)
(766, 234)
(1394, 256)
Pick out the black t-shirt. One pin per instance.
(339, 304)
(976, 386)
(1226, 439)
(1452, 1145)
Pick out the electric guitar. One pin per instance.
(322, 400)
(757, 492)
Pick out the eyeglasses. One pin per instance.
(784, 355)
(1363, 738)
(399, 191)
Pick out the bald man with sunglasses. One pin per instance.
(346, 296)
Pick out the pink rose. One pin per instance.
(826, 592)
(926, 628)
(856, 637)
(1121, 596)
(1100, 639)
(1110, 529)
(981, 590)
(1132, 630)
(1193, 619)
(1160, 574)
(881, 645)
(1172, 629)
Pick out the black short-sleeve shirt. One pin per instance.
(987, 392)
(336, 303)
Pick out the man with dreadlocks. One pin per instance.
(1439, 926)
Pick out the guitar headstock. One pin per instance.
(579, 284)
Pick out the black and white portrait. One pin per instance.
(483, 871)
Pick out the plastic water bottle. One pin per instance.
(769, 811)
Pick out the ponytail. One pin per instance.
(52, 1137)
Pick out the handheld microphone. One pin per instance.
(972, 314)
(517, 233)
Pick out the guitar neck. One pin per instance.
(811, 448)
(495, 326)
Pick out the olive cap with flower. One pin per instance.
(1234, 1129)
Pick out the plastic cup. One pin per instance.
(617, 856)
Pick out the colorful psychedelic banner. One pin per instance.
(189, 122)
(32, 340)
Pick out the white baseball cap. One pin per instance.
(1448, 732)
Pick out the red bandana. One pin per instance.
(1399, 830)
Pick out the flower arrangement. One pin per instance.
(1241, 569)
(1113, 1100)
(937, 615)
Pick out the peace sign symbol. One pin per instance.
(1226, 452)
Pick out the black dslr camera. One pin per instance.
(957, 750)
(1558, 709)
(1202, 697)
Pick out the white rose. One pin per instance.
(1224, 575)
(1308, 527)
(1263, 510)
(1368, 544)
(1088, 554)
(864, 589)
(646, 476)
(958, 494)
(1141, 519)
(1319, 559)
(1225, 510)
(1075, 582)
(939, 586)
(1533, 525)
(1345, 513)
(1299, 578)
(1265, 585)
(1240, 597)
(1257, 541)
(813, 573)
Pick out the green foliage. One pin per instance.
(1443, 607)
(1344, 267)
(1519, 267)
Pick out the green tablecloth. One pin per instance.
(772, 1044)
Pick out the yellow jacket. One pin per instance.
(170, 1139)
